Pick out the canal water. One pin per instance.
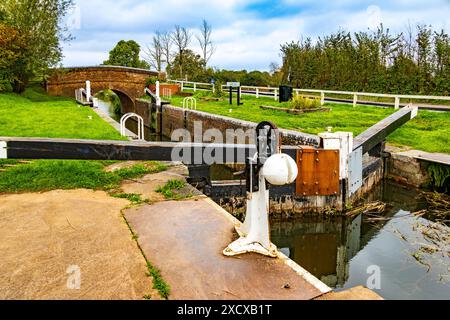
(391, 254)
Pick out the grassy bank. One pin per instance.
(44, 175)
(429, 131)
(35, 114)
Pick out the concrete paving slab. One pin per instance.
(43, 234)
(185, 240)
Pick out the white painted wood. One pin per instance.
(355, 100)
(3, 150)
(322, 98)
(88, 90)
(397, 103)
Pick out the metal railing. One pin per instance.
(140, 124)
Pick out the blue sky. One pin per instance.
(247, 33)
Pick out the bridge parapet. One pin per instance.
(128, 83)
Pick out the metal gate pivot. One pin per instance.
(268, 165)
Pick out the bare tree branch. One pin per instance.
(154, 53)
(205, 41)
(181, 38)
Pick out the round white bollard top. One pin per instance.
(280, 169)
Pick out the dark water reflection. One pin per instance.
(341, 251)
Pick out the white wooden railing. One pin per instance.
(194, 85)
(274, 92)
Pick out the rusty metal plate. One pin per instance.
(318, 172)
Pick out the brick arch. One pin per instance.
(128, 83)
(127, 104)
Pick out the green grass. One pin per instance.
(158, 282)
(429, 131)
(169, 190)
(35, 114)
(44, 175)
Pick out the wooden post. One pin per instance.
(88, 90)
(195, 87)
(322, 98)
(275, 94)
(355, 100)
(397, 103)
(257, 92)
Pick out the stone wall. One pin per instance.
(176, 118)
(407, 170)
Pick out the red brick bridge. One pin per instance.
(127, 83)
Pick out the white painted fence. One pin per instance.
(194, 85)
(274, 92)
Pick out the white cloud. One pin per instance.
(244, 40)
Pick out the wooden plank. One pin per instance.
(40, 148)
(189, 153)
(378, 132)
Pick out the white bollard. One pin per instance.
(88, 90)
(157, 89)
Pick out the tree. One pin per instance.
(39, 24)
(414, 62)
(181, 38)
(126, 54)
(256, 78)
(205, 41)
(155, 54)
(166, 48)
(11, 56)
(194, 66)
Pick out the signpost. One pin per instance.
(236, 85)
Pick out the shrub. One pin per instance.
(299, 102)
(151, 81)
(218, 92)
(5, 86)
